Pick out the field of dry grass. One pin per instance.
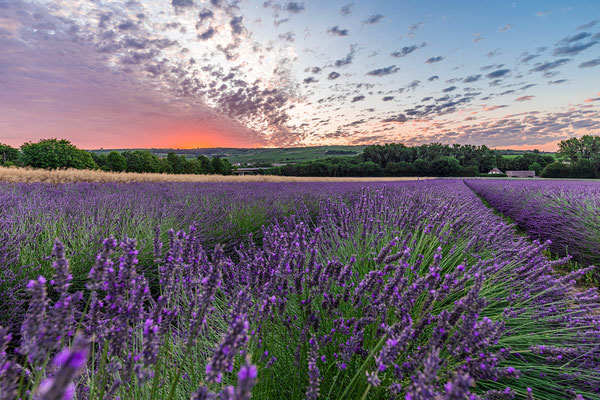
(29, 175)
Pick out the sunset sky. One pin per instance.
(208, 73)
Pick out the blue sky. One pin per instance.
(189, 73)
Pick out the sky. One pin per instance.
(245, 73)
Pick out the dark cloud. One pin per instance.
(575, 38)
(316, 70)
(128, 25)
(337, 31)
(182, 3)
(449, 89)
(392, 69)
(400, 118)
(207, 34)
(347, 9)
(471, 78)
(505, 27)
(591, 63)
(497, 73)
(373, 19)
(292, 7)
(432, 60)
(406, 50)
(529, 57)
(333, 75)
(558, 82)
(549, 65)
(573, 49)
(310, 79)
(388, 98)
(494, 53)
(433, 78)
(237, 28)
(357, 98)
(348, 59)
(588, 25)
(205, 14)
(530, 85)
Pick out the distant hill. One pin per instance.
(259, 156)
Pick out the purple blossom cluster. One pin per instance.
(404, 290)
(565, 212)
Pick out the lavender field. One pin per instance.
(565, 212)
(408, 290)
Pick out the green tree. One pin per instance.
(142, 161)
(116, 162)
(445, 166)
(557, 169)
(585, 147)
(217, 165)
(54, 153)
(535, 167)
(8, 154)
(205, 165)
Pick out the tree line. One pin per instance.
(576, 158)
(433, 159)
(60, 153)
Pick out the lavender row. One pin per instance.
(409, 291)
(565, 212)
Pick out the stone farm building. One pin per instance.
(494, 171)
(520, 174)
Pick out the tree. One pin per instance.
(178, 163)
(217, 165)
(446, 166)
(54, 153)
(116, 162)
(585, 147)
(557, 169)
(142, 161)
(535, 167)
(8, 154)
(205, 165)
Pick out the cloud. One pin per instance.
(310, 79)
(505, 28)
(524, 98)
(497, 73)
(288, 37)
(337, 31)
(182, 3)
(449, 89)
(348, 59)
(412, 29)
(432, 60)
(433, 78)
(471, 78)
(590, 64)
(492, 108)
(542, 14)
(549, 65)
(588, 25)
(388, 98)
(572, 50)
(406, 50)
(333, 75)
(207, 34)
(494, 53)
(294, 7)
(591, 100)
(477, 38)
(205, 14)
(575, 38)
(373, 19)
(347, 9)
(357, 98)
(237, 28)
(529, 57)
(558, 82)
(400, 118)
(392, 69)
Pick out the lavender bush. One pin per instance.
(565, 212)
(410, 291)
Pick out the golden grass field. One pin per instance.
(29, 175)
